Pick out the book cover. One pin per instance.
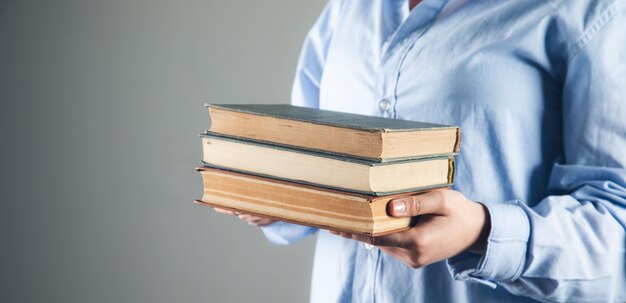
(372, 138)
(326, 170)
(300, 204)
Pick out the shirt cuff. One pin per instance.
(507, 244)
(283, 233)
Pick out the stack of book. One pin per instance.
(321, 168)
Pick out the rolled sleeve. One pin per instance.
(506, 250)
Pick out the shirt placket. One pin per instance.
(393, 54)
(395, 50)
(368, 274)
(387, 78)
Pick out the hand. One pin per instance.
(447, 224)
(252, 220)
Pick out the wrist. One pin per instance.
(480, 245)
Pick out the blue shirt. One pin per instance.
(539, 90)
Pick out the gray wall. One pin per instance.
(100, 107)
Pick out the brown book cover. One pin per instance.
(300, 204)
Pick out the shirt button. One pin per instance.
(368, 246)
(384, 105)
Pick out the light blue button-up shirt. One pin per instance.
(539, 90)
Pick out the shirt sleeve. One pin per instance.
(571, 246)
(306, 86)
(305, 92)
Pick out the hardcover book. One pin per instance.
(331, 171)
(301, 204)
(372, 138)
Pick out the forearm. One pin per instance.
(573, 248)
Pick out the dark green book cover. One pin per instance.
(366, 137)
(332, 118)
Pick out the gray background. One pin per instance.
(100, 107)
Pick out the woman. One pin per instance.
(539, 90)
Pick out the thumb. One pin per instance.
(432, 202)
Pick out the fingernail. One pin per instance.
(399, 206)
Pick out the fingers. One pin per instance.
(256, 221)
(250, 219)
(433, 202)
(262, 222)
(244, 217)
(396, 245)
(259, 222)
(225, 211)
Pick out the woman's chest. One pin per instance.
(440, 70)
